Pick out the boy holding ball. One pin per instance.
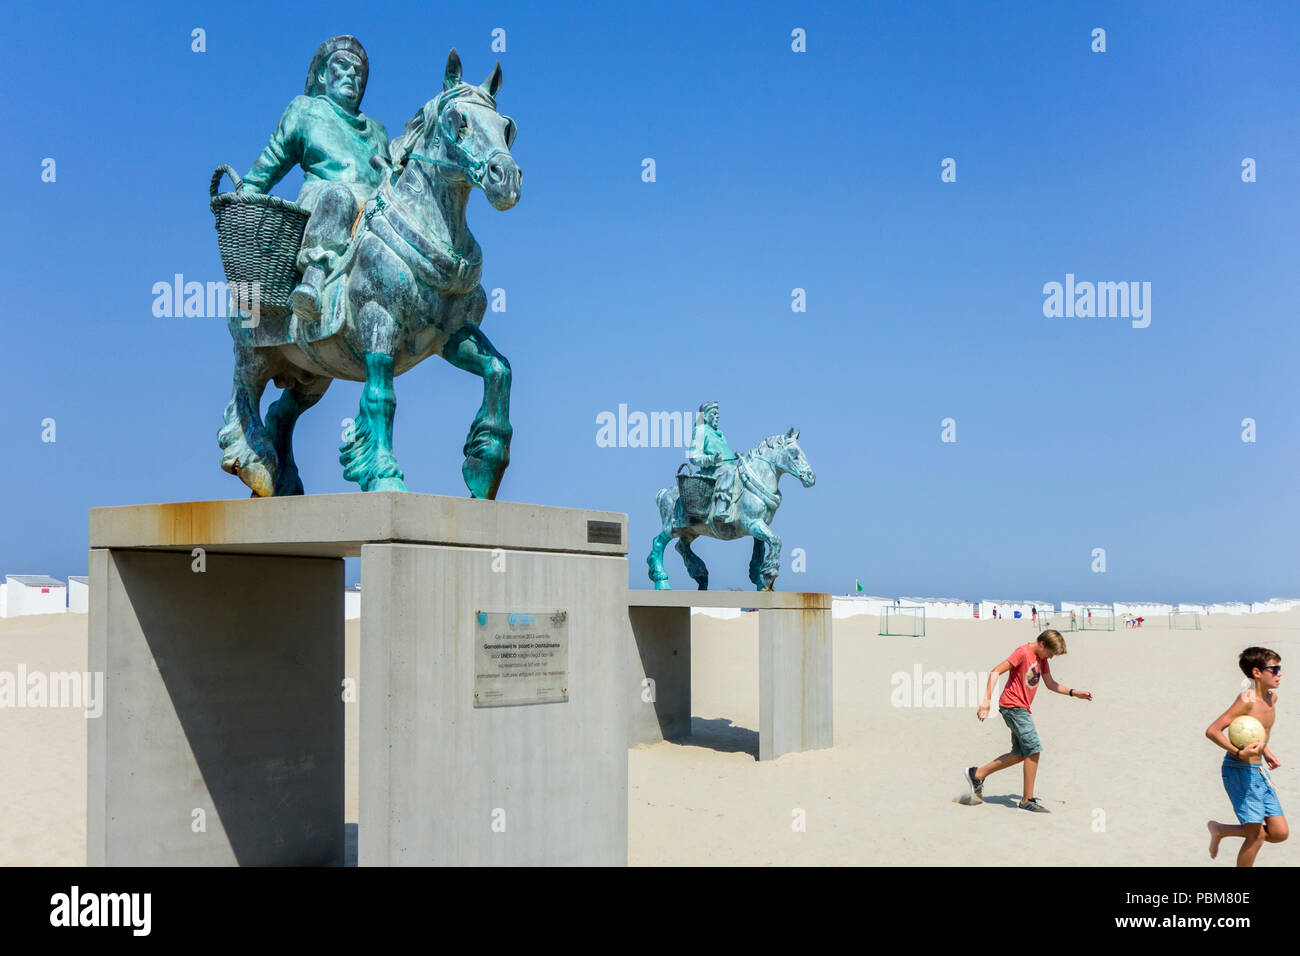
(1259, 814)
(1027, 665)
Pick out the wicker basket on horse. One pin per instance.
(695, 492)
(259, 236)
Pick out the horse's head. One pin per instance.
(461, 132)
(790, 458)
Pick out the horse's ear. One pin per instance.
(452, 76)
(792, 434)
(493, 82)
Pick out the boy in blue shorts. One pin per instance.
(1245, 769)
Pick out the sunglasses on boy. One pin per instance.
(1273, 669)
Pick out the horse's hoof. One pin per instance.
(482, 477)
(387, 484)
(663, 586)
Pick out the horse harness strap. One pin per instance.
(747, 478)
(474, 172)
(438, 268)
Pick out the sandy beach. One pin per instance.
(1129, 778)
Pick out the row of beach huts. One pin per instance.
(23, 594)
(957, 609)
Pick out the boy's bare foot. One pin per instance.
(1215, 836)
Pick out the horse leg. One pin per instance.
(367, 458)
(656, 557)
(247, 450)
(487, 446)
(280, 419)
(656, 561)
(756, 564)
(695, 567)
(771, 566)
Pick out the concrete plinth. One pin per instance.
(221, 739)
(224, 687)
(796, 705)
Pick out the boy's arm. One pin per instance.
(1050, 683)
(988, 691)
(1215, 731)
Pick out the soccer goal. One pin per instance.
(1096, 618)
(1058, 620)
(898, 621)
(1185, 621)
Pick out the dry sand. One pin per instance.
(1129, 778)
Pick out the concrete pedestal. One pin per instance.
(796, 705)
(221, 739)
(223, 686)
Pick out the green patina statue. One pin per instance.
(390, 273)
(712, 507)
(711, 454)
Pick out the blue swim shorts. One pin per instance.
(1250, 789)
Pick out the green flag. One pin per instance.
(859, 584)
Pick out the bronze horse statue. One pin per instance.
(406, 288)
(759, 473)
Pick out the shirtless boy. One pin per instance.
(1245, 770)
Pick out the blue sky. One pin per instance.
(775, 170)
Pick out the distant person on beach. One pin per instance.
(1033, 613)
(1074, 622)
(1245, 770)
(1027, 665)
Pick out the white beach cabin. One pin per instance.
(78, 594)
(34, 594)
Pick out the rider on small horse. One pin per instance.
(714, 458)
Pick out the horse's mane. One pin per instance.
(773, 442)
(400, 148)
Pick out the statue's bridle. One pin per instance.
(476, 165)
(473, 171)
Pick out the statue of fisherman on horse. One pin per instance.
(387, 271)
(707, 503)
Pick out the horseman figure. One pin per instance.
(713, 457)
(390, 274)
(325, 132)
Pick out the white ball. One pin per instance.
(1244, 731)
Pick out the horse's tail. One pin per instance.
(662, 499)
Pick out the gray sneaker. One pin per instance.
(976, 785)
(1033, 806)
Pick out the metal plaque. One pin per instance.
(521, 657)
(604, 532)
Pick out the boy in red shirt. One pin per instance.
(1028, 665)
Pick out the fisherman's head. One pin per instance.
(339, 71)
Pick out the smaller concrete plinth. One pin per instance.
(796, 706)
